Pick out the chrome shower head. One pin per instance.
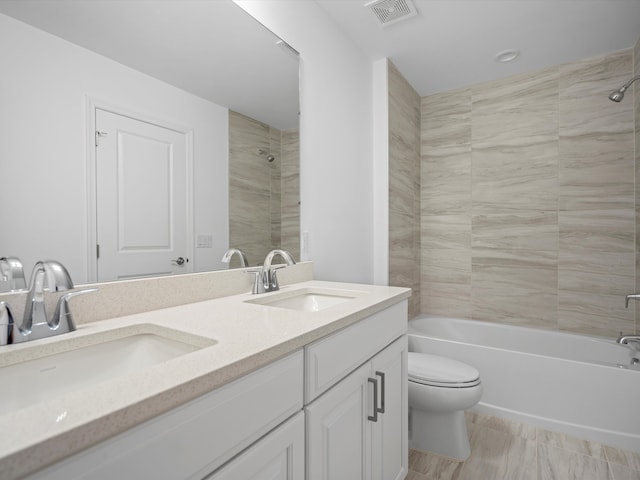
(265, 153)
(618, 94)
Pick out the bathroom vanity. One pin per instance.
(307, 382)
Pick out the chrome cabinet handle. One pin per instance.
(374, 417)
(383, 390)
(180, 261)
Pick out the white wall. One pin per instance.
(44, 85)
(336, 164)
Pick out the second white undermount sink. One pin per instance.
(307, 299)
(41, 379)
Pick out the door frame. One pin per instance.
(93, 104)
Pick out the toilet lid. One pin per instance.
(441, 371)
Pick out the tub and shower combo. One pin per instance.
(585, 386)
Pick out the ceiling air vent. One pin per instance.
(392, 11)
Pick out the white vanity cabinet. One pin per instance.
(277, 456)
(357, 424)
(336, 410)
(191, 441)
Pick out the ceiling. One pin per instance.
(210, 48)
(217, 51)
(452, 43)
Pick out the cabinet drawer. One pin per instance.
(277, 456)
(195, 439)
(332, 358)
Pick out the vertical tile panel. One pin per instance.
(636, 110)
(249, 187)
(515, 195)
(290, 172)
(597, 197)
(275, 181)
(404, 202)
(445, 220)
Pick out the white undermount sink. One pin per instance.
(67, 365)
(307, 299)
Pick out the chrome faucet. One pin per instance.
(57, 279)
(631, 296)
(268, 280)
(35, 323)
(226, 258)
(625, 339)
(12, 273)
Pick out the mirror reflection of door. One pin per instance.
(142, 214)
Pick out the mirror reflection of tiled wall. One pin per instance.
(264, 196)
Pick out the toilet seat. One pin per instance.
(440, 371)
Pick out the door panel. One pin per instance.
(338, 432)
(278, 456)
(142, 216)
(390, 437)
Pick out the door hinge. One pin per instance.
(98, 135)
(97, 251)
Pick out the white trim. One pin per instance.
(380, 127)
(92, 104)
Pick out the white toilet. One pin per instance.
(440, 389)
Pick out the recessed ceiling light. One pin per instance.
(506, 56)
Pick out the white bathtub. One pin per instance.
(580, 385)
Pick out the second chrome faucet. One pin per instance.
(267, 278)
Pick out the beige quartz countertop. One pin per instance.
(248, 336)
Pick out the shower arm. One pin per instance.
(623, 88)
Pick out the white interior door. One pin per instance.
(142, 207)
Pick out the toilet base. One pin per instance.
(441, 433)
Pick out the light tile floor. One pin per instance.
(505, 450)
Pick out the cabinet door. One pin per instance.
(338, 431)
(390, 435)
(277, 456)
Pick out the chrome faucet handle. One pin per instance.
(62, 320)
(7, 324)
(258, 282)
(274, 285)
(13, 273)
(631, 296)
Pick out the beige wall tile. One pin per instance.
(508, 178)
(446, 299)
(446, 231)
(515, 286)
(446, 184)
(606, 273)
(543, 165)
(583, 90)
(597, 230)
(593, 314)
(517, 229)
(596, 172)
(636, 110)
